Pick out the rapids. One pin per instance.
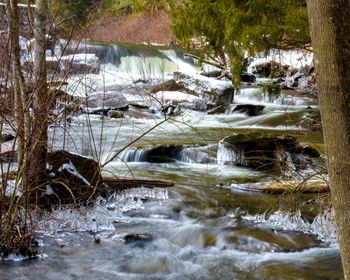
(202, 228)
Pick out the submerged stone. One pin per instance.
(114, 114)
(139, 239)
(249, 109)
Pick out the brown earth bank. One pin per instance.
(138, 28)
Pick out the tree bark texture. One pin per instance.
(330, 34)
(18, 83)
(38, 145)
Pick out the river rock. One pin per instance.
(139, 239)
(161, 154)
(249, 109)
(72, 179)
(111, 99)
(248, 78)
(170, 85)
(258, 151)
(5, 137)
(270, 69)
(179, 99)
(312, 120)
(114, 114)
(220, 92)
(88, 169)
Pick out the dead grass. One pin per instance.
(132, 28)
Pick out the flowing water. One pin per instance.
(202, 228)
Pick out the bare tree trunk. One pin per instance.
(39, 137)
(19, 88)
(330, 34)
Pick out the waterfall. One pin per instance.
(229, 155)
(133, 155)
(196, 155)
(144, 63)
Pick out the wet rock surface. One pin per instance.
(138, 239)
(249, 109)
(5, 137)
(264, 152)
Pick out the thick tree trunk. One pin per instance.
(330, 29)
(38, 151)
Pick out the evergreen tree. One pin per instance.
(240, 27)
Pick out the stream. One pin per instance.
(202, 228)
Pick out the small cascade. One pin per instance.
(133, 155)
(202, 155)
(228, 155)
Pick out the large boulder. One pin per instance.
(88, 169)
(264, 152)
(72, 179)
(110, 99)
(181, 99)
(220, 92)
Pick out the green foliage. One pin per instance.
(272, 91)
(240, 27)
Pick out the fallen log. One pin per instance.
(280, 187)
(126, 183)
